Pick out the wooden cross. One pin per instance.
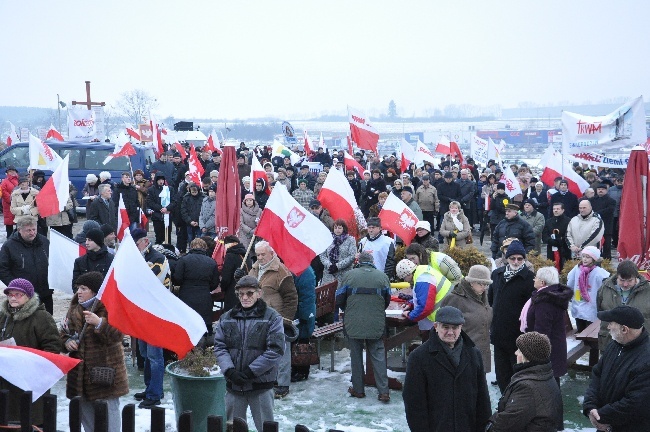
(88, 103)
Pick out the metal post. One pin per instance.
(58, 108)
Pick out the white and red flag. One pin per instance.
(363, 133)
(196, 170)
(555, 166)
(349, 144)
(143, 219)
(495, 150)
(53, 133)
(63, 252)
(307, 145)
(155, 135)
(321, 142)
(55, 194)
(132, 132)
(33, 370)
(634, 239)
(139, 305)
(294, 232)
(122, 219)
(179, 148)
(41, 156)
(398, 218)
(123, 148)
(337, 197)
(423, 154)
(352, 164)
(408, 154)
(12, 138)
(257, 172)
(449, 148)
(211, 145)
(509, 179)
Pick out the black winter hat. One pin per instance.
(536, 347)
(96, 235)
(92, 280)
(516, 248)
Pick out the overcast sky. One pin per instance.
(292, 59)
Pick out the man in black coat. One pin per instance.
(512, 286)
(448, 191)
(97, 258)
(468, 195)
(323, 157)
(158, 210)
(190, 209)
(512, 226)
(554, 234)
(129, 194)
(448, 363)
(569, 199)
(103, 209)
(619, 389)
(605, 206)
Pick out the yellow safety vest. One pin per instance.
(443, 285)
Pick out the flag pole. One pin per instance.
(250, 245)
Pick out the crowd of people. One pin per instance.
(512, 316)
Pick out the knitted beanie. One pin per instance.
(479, 274)
(404, 268)
(90, 224)
(93, 280)
(535, 347)
(516, 248)
(96, 235)
(592, 251)
(22, 285)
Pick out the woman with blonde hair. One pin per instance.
(455, 225)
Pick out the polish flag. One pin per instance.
(53, 133)
(423, 154)
(449, 148)
(17, 361)
(555, 166)
(349, 144)
(408, 154)
(352, 164)
(195, 168)
(63, 252)
(361, 130)
(130, 130)
(294, 232)
(179, 148)
(55, 194)
(257, 172)
(509, 179)
(143, 219)
(397, 218)
(337, 197)
(13, 136)
(306, 145)
(122, 219)
(123, 148)
(495, 150)
(139, 305)
(211, 145)
(321, 142)
(155, 135)
(41, 156)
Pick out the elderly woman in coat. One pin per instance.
(470, 297)
(250, 216)
(455, 225)
(338, 258)
(25, 322)
(88, 336)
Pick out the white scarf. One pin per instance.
(458, 223)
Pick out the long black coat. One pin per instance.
(620, 386)
(197, 275)
(191, 207)
(515, 227)
(129, 195)
(153, 202)
(507, 301)
(234, 256)
(559, 223)
(442, 398)
(102, 213)
(605, 207)
(569, 200)
(92, 261)
(19, 259)
(448, 192)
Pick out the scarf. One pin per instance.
(523, 318)
(509, 273)
(88, 303)
(263, 268)
(457, 223)
(583, 282)
(334, 252)
(455, 352)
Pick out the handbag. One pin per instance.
(304, 354)
(469, 239)
(102, 375)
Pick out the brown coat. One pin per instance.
(99, 348)
(447, 226)
(142, 192)
(278, 288)
(478, 317)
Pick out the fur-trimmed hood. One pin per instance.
(28, 309)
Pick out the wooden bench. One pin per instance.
(325, 305)
(589, 339)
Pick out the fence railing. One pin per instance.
(214, 423)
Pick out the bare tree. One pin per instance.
(135, 104)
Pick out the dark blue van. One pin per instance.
(85, 158)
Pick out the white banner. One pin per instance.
(599, 160)
(625, 127)
(510, 180)
(479, 150)
(81, 125)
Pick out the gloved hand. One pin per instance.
(239, 273)
(333, 269)
(235, 376)
(452, 235)
(26, 208)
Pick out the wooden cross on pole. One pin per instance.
(88, 103)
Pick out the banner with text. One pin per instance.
(479, 149)
(625, 127)
(81, 125)
(599, 160)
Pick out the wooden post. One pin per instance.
(101, 415)
(128, 418)
(74, 414)
(49, 413)
(88, 101)
(215, 424)
(239, 425)
(157, 419)
(185, 422)
(271, 426)
(26, 412)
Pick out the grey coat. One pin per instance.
(206, 218)
(249, 218)
(347, 252)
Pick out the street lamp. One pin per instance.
(60, 104)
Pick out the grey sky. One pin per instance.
(292, 59)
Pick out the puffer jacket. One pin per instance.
(347, 252)
(447, 227)
(515, 227)
(99, 348)
(249, 217)
(19, 259)
(8, 185)
(364, 295)
(191, 207)
(532, 401)
(207, 216)
(30, 326)
(585, 231)
(250, 339)
(609, 298)
(100, 261)
(278, 288)
(17, 202)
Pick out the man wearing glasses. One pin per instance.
(512, 286)
(249, 345)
